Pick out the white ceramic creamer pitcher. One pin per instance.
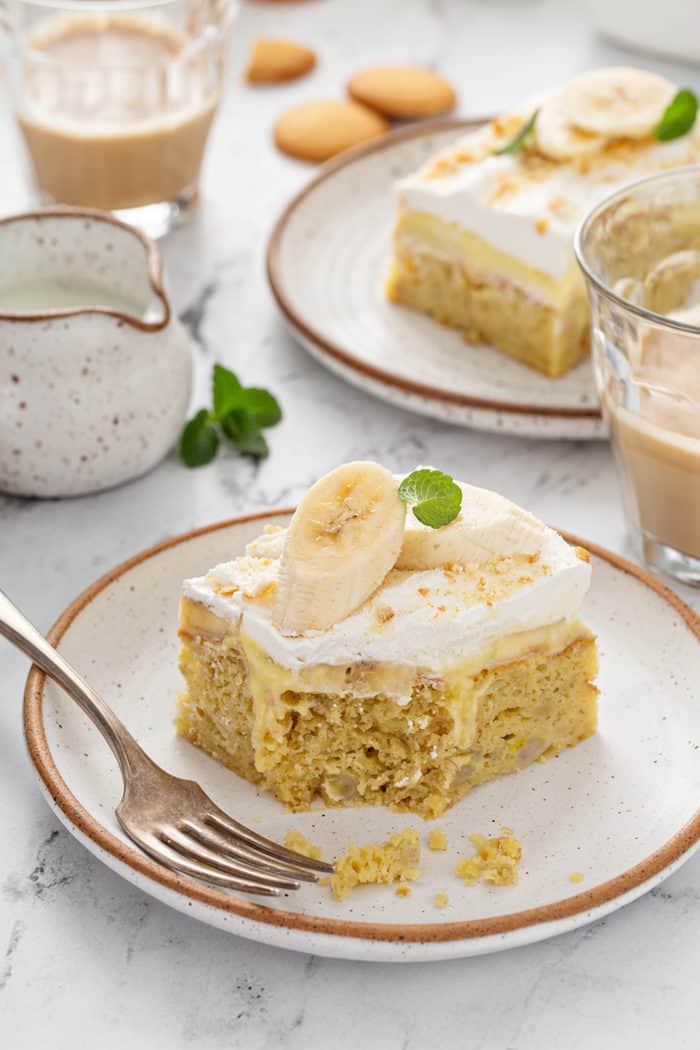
(95, 371)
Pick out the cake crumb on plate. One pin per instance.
(441, 900)
(437, 840)
(396, 860)
(576, 876)
(495, 861)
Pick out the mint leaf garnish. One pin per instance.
(679, 116)
(261, 406)
(239, 412)
(436, 498)
(242, 431)
(200, 441)
(225, 390)
(228, 395)
(515, 144)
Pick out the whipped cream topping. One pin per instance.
(520, 575)
(526, 205)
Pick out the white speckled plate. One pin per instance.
(327, 259)
(621, 808)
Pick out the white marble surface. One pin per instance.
(85, 959)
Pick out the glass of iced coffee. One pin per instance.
(115, 99)
(640, 254)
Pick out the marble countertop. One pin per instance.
(86, 959)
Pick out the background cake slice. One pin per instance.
(483, 240)
(457, 654)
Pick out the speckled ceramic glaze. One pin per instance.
(327, 261)
(621, 808)
(91, 395)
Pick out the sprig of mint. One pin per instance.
(436, 498)
(679, 116)
(239, 413)
(515, 144)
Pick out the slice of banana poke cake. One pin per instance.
(372, 656)
(484, 233)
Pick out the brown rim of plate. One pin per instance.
(77, 815)
(153, 261)
(346, 357)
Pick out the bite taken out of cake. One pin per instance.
(374, 655)
(483, 239)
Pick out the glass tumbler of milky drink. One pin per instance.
(115, 99)
(640, 254)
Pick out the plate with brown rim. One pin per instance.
(327, 260)
(621, 808)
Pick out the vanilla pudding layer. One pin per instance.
(442, 679)
(420, 233)
(270, 680)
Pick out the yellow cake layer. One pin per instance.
(340, 733)
(489, 296)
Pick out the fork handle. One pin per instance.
(18, 630)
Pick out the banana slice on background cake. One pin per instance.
(558, 138)
(343, 539)
(617, 102)
(598, 106)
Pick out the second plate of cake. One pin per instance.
(368, 661)
(328, 261)
(470, 224)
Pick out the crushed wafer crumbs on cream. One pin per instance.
(441, 900)
(495, 861)
(384, 614)
(254, 577)
(300, 844)
(576, 876)
(403, 890)
(396, 860)
(437, 840)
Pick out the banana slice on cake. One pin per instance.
(617, 102)
(488, 526)
(558, 138)
(344, 538)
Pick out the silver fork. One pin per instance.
(171, 819)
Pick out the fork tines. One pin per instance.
(217, 849)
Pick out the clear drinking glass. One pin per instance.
(640, 254)
(115, 98)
